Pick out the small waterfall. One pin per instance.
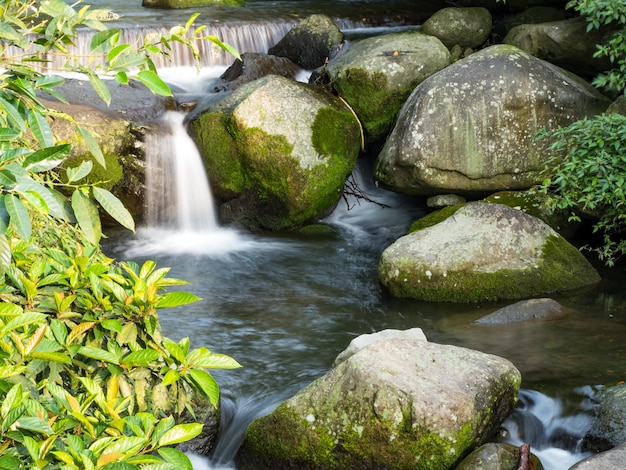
(178, 194)
(554, 434)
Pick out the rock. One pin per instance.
(396, 403)
(362, 341)
(466, 27)
(483, 252)
(278, 152)
(176, 4)
(609, 460)
(376, 75)
(609, 427)
(311, 43)
(533, 15)
(470, 129)
(564, 43)
(493, 456)
(444, 200)
(525, 310)
(253, 66)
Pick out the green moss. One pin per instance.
(563, 266)
(336, 134)
(374, 104)
(434, 218)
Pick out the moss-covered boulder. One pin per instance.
(311, 43)
(251, 67)
(481, 252)
(399, 403)
(376, 75)
(469, 129)
(466, 27)
(566, 43)
(609, 426)
(277, 152)
(178, 4)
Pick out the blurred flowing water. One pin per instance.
(285, 304)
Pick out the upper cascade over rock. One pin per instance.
(469, 129)
(376, 75)
(278, 152)
(483, 252)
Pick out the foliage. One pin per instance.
(587, 174)
(600, 13)
(86, 378)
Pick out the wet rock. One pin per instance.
(444, 200)
(525, 310)
(493, 456)
(465, 27)
(470, 129)
(608, 460)
(253, 66)
(483, 252)
(533, 15)
(564, 43)
(396, 403)
(278, 152)
(609, 427)
(376, 75)
(176, 4)
(311, 43)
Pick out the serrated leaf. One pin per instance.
(176, 299)
(18, 216)
(114, 207)
(180, 433)
(142, 357)
(79, 172)
(205, 359)
(87, 216)
(175, 350)
(206, 384)
(154, 83)
(93, 146)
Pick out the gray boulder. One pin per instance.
(609, 460)
(278, 152)
(492, 456)
(483, 252)
(609, 427)
(396, 403)
(533, 15)
(564, 43)
(311, 43)
(466, 27)
(469, 129)
(252, 66)
(524, 310)
(376, 75)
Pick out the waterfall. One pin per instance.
(177, 189)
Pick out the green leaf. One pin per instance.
(93, 146)
(154, 83)
(102, 40)
(41, 129)
(8, 135)
(35, 424)
(175, 350)
(13, 114)
(227, 47)
(206, 384)
(79, 172)
(176, 299)
(115, 52)
(5, 251)
(112, 325)
(175, 457)
(180, 433)
(171, 377)
(114, 207)
(98, 354)
(205, 359)
(47, 158)
(19, 216)
(87, 216)
(142, 357)
(100, 87)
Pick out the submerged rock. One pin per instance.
(278, 152)
(396, 403)
(470, 129)
(483, 252)
(525, 310)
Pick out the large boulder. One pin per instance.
(565, 43)
(609, 426)
(533, 15)
(376, 75)
(470, 129)
(277, 152)
(251, 67)
(483, 252)
(608, 460)
(398, 403)
(466, 27)
(311, 43)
